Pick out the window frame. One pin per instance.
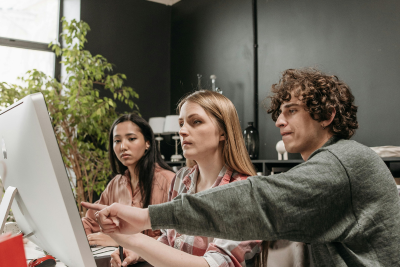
(31, 45)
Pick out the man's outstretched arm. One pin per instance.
(304, 204)
(309, 203)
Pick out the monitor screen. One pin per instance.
(44, 204)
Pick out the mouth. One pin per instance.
(184, 143)
(286, 134)
(124, 156)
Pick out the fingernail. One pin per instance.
(124, 263)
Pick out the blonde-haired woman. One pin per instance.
(226, 118)
(213, 146)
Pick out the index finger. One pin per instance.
(91, 206)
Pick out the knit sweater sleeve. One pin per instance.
(309, 203)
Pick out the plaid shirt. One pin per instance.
(217, 252)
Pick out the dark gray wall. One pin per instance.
(213, 37)
(357, 40)
(135, 36)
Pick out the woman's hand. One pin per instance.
(130, 257)
(156, 253)
(120, 219)
(101, 239)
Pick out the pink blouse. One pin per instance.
(119, 190)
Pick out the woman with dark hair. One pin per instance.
(142, 177)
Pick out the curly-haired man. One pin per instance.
(342, 200)
(310, 107)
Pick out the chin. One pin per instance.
(188, 156)
(128, 163)
(290, 149)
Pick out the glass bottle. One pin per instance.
(199, 81)
(251, 140)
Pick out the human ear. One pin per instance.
(222, 137)
(147, 145)
(332, 116)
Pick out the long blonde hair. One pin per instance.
(234, 151)
(222, 109)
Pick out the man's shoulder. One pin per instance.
(345, 143)
(351, 150)
(353, 156)
(236, 176)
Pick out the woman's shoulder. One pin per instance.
(236, 176)
(116, 188)
(163, 174)
(181, 182)
(183, 172)
(183, 178)
(117, 180)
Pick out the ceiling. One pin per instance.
(165, 2)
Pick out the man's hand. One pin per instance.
(109, 222)
(101, 239)
(130, 257)
(120, 219)
(95, 207)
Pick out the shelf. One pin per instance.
(176, 163)
(263, 166)
(266, 166)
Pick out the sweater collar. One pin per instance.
(331, 141)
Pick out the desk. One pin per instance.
(32, 251)
(105, 262)
(103, 259)
(141, 264)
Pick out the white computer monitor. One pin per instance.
(44, 203)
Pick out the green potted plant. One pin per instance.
(80, 117)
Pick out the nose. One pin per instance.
(183, 131)
(123, 145)
(281, 121)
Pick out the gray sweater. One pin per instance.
(342, 200)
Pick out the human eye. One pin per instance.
(292, 111)
(180, 124)
(196, 121)
(132, 139)
(116, 141)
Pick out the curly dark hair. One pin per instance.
(321, 94)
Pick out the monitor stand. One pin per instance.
(5, 206)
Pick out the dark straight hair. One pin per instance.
(145, 167)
